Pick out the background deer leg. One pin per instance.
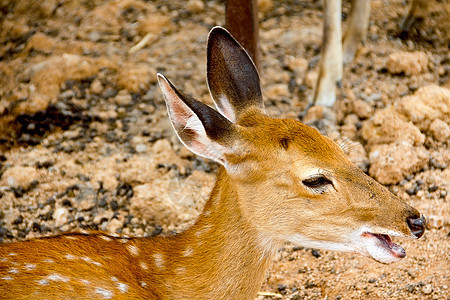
(416, 13)
(330, 69)
(357, 28)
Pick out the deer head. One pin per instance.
(291, 183)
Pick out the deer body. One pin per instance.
(280, 181)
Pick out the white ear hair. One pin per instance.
(186, 117)
(233, 79)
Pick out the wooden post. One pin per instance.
(241, 19)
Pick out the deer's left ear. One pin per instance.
(233, 79)
(200, 128)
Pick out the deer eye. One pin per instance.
(317, 182)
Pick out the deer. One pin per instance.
(279, 180)
(339, 49)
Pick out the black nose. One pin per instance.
(417, 225)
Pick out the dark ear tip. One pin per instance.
(218, 30)
(220, 34)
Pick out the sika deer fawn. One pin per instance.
(280, 181)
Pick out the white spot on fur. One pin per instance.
(104, 292)
(57, 277)
(82, 231)
(89, 260)
(7, 278)
(13, 271)
(70, 257)
(143, 265)
(48, 260)
(180, 270)
(159, 260)
(133, 250)
(123, 287)
(188, 251)
(123, 241)
(3, 259)
(42, 282)
(143, 284)
(203, 230)
(12, 254)
(114, 279)
(70, 237)
(29, 267)
(105, 238)
(87, 282)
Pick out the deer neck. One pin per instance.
(221, 256)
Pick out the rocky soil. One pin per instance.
(85, 141)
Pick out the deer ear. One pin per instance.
(200, 128)
(233, 79)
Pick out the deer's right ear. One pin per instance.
(200, 128)
(233, 79)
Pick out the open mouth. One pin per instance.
(382, 249)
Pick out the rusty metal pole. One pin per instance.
(241, 19)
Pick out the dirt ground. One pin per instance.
(85, 141)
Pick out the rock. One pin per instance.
(87, 204)
(141, 148)
(151, 201)
(389, 164)
(18, 176)
(408, 63)
(349, 129)
(123, 98)
(41, 42)
(60, 216)
(439, 130)
(277, 91)
(94, 36)
(47, 76)
(387, 126)
(311, 78)
(357, 154)
(265, 5)
(162, 145)
(96, 86)
(436, 222)
(107, 214)
(426, 105)
(114, 225)
(136, 77)
(47, 7)
(298, 65)
(105, 173)
(427, 289)
(362, 109)
(195, 6)
(318, 113)
(154, 23)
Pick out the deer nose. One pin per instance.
(417, 225)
